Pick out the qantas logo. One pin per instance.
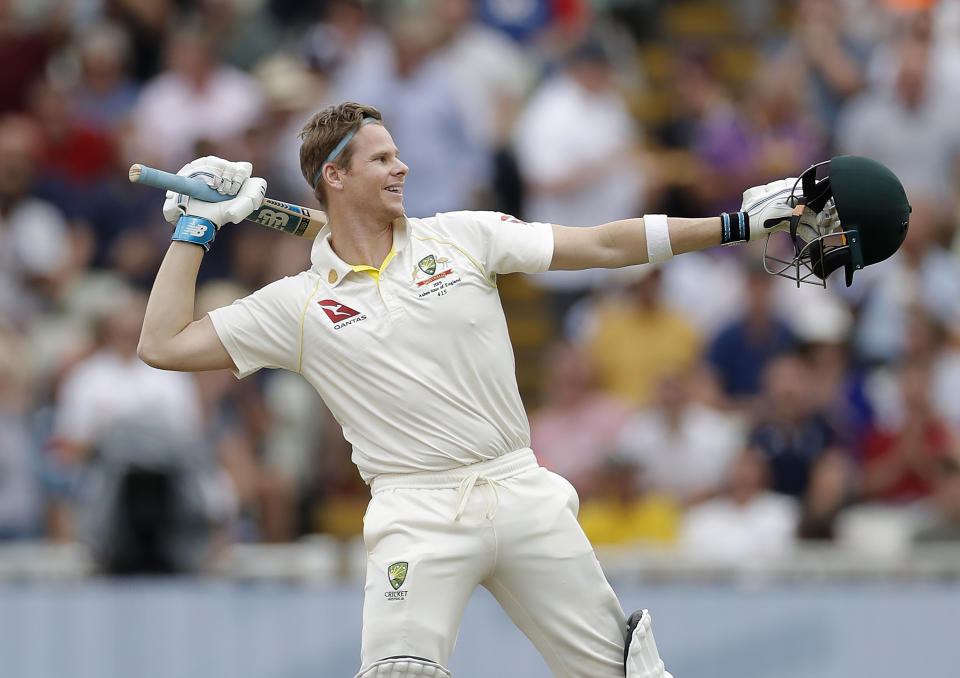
(336, 311)
(511, 219)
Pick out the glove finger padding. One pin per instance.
(770, 207)
(250, 197)
(222, 175)
(231, 211)
(173, 206)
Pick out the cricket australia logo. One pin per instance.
(396, 575)
(428, 264)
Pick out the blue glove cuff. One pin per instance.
(197, 230)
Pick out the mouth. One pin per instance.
(398, 190)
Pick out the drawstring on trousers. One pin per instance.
(466, 487)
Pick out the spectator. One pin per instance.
(740, 351)
(576, 146)
(25, 51)
(20, 510)
(942, 520)
(492, 74)
(909, 127)
(105, 93)
(112, 385)
(415, 92)
(747, 525)
(223, 102)
(684, 448)
(623, 510)
(35, 247)
(903, 463)
(805, 455)
(578, 427)
(639, 318)
(821, 59)
(922, 275)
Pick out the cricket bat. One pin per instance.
(282, 216)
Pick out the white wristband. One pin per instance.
(658, 238)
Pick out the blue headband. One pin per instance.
(338, 149)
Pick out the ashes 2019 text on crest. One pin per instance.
(275, 214)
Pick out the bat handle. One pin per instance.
(195, 188)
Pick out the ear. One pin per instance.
(332, 176)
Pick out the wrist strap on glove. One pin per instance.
(197, 230)
(734, 228)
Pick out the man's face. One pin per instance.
(374, 180)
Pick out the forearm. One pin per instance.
(170, 307)
(624, 243)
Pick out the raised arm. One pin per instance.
(171, 339)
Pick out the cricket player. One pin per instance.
(399, 327)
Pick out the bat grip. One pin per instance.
(195, 188)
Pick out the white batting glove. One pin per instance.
(201, 220)
(770, 207)
(230, 211)
(223, 176)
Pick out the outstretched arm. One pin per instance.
(624, 242)
(654, 238)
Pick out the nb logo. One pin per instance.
(195, 230)
(272, 219)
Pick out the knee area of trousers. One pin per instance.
(404, 667)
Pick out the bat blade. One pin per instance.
(275, 214)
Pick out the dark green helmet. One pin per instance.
(862, 218)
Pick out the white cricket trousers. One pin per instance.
(507, 524)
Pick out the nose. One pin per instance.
(401, 169)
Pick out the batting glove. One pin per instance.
(770, 207)
(223, 176)
(199, 221)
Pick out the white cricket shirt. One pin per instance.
(414, 361)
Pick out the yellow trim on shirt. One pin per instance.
(375, 272)
(303, 315)
(473, 261)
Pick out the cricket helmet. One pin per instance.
(862, 218)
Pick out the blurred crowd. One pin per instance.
(701, 404)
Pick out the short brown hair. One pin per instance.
(322, 134)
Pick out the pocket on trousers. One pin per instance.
(573, 499)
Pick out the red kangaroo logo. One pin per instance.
(336, 311)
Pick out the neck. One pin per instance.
(360, 242)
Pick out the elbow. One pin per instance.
(148, 354)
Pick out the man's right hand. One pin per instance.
(228, 178)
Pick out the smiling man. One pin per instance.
(399, 327)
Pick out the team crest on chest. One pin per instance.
(436, 269)
(428, 264)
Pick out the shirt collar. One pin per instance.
(330, 267)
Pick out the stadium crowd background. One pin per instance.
(702, 406)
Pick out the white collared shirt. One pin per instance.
(413, 360)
